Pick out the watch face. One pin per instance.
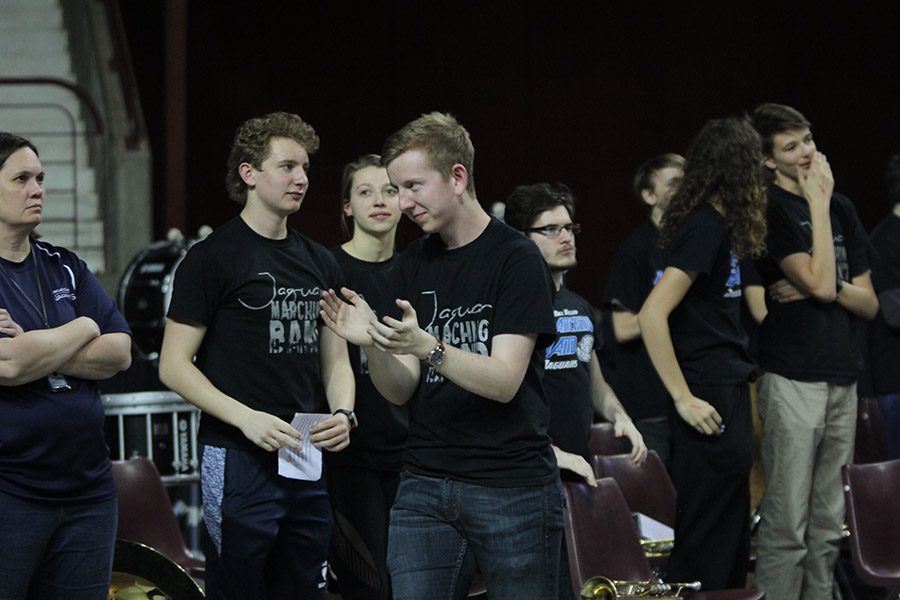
(436, 357)
(351, 416)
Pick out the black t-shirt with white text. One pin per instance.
(497, 284)
(259, 300)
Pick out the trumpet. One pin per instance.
(602, 588)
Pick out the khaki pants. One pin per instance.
(808, 433)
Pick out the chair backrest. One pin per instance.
(603, 440)
(871, 492)
(647, 488)
(145, 511)
(601, 538)
(870, 444)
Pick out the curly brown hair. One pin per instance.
(723, 170)
(251, 145)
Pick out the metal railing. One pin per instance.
(90, 129)
(121, 64)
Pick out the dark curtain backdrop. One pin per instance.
(576, 92)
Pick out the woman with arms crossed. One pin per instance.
(59, 334)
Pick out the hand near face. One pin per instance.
(816, 182)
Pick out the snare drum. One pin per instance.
(161, 426)
(146, 290)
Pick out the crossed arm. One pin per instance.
(857, 296)
(76, 348)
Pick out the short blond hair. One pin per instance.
(443, 140)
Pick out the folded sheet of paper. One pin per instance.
(305, 463)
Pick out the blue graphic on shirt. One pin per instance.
(569, 349)
(733, 285)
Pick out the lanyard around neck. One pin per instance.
(42, 312)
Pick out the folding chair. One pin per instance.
(871, 492)
(601, 539)
(146, 515)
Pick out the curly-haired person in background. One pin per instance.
(716, 217)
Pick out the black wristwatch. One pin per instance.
(436, 357)
(351, 416)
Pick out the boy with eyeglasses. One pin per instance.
(572, 379)
(574, 384)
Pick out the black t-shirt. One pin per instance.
(379, 440)
(710, 343)
(884, 342)
(750, 276)
(636, 268)
(808, 340)
(497, 284)
(259, 300)
(567, 377)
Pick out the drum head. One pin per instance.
(142, 573)
(145, 291)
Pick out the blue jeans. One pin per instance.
(55, 551)
(441, 530)
(890, 411)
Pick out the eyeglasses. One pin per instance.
(553, 231)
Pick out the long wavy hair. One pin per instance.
(723, 170)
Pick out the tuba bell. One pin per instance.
(602, 588)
